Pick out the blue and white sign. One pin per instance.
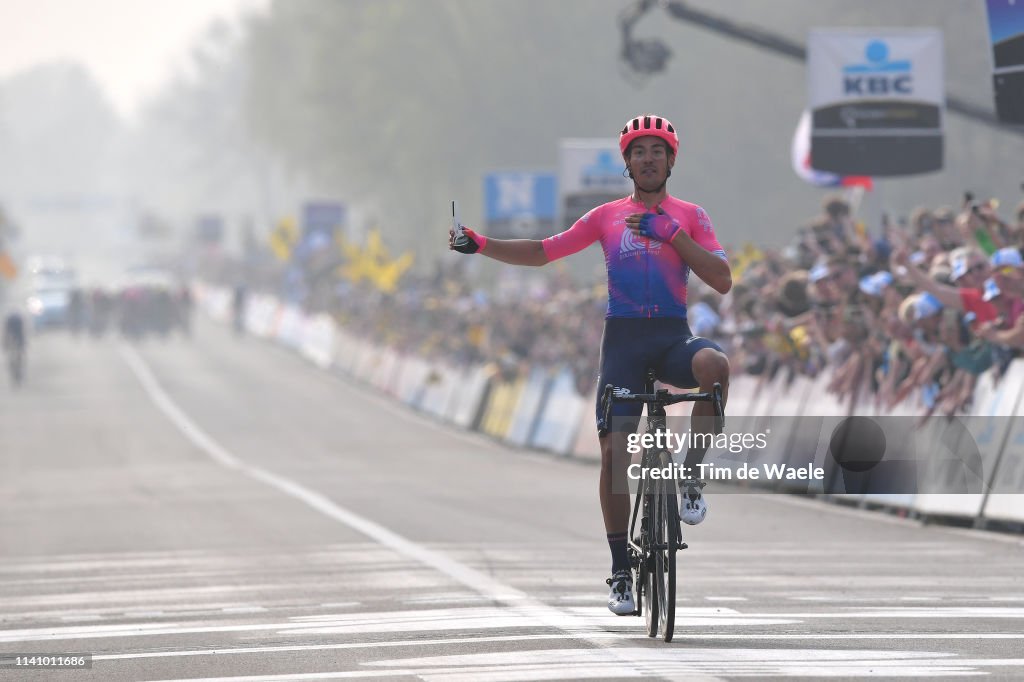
(508, 195)
(210, 228)
(322, 216)
(520, 205)
(877, 100)
(590, 173)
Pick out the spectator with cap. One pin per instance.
(899, 354)
(970, 267)
(929, 357)
(1005, 291)
(965, 299)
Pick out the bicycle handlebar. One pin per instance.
(661, 398)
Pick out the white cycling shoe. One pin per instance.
(692, 505)
(620, 598)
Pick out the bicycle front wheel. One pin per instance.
(651, 568)
(666, 543)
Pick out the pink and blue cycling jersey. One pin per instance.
(646, 277)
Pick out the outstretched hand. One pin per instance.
(472, 243)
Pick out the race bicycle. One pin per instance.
(653, 547)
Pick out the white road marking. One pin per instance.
(725, 598)
(243, 609)
(588, 621)
(81, 618)
(185, 653)
(696, 663)
(883, 636)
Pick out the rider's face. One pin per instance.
(650, 160)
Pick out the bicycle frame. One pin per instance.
(652, 551)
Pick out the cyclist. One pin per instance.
(14, 343)
(651, 241)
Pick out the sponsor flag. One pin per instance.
(283, 239)
(373, 263)
(801, 158)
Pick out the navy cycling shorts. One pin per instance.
(631, 345)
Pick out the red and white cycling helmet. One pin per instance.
(649, 124)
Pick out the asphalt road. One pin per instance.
(219, 509)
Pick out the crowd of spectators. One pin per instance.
(915, 309)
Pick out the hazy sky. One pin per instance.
(130, 46)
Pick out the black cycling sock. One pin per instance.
(694, 456)
(620, 552)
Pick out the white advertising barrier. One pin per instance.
(259, 315)
(318, 340)
(821, 403)
(470, 396)
(563, 414)
(1006, 500)
(962, 458)
(741, 395)
(411, 379)
(289, 326)
(528, 406)
(889, 482)
(460, 379)
(363, 353)
(790, 441)
(739, 415)
(441, 384)
(218, 304)
(386, 370)
(368, 359)
(587, 445)
(344, 350)
(743, 451)
(832, 409)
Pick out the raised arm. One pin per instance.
(948, 295)
(532, 251)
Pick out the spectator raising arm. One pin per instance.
(948, 295)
